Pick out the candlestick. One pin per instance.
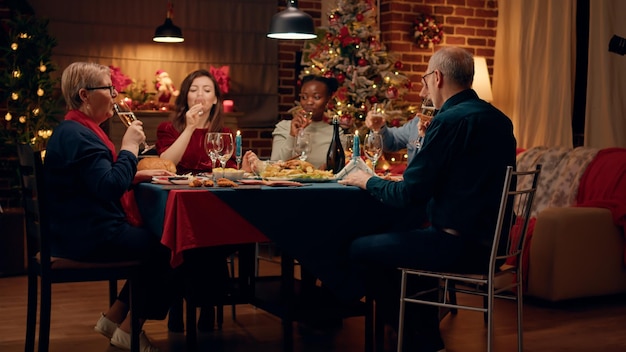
(238, 149)
(356, 153)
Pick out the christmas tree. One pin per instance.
(350, 50)
(31, 102)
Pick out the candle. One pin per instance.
(228, 105)
(356, 153)
(238, 144)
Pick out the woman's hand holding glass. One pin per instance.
(134, 130)
(301, 119)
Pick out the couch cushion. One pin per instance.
(561, 171)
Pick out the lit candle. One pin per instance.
(356, 153)
(228, 106)
(238, 144)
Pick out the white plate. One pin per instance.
(176, 180)
(302, 179)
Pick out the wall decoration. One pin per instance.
(426, 31)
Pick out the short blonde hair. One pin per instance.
(81, 75)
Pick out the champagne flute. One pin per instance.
(373, 147)
(302, 145)
(127, 116)
(211, 145)
(428, 110)
(226, 149)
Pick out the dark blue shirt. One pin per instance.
(84, 187)
(459, 171)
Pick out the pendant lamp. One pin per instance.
(292, 23)
(168, 32)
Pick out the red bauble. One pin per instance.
(392, 92)
(395, 122)
(398, 65)
(345, 121)
(373, 99)
(363, 62)
(341, 78)
(328, 74)
(359, 17)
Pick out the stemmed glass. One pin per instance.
(373, 147)
(428, 110)
(226, 148)
(211, 146)
(302, 145)
(127, 116)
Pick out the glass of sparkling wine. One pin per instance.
(126, 115)
(428, 110)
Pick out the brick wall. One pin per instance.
(469, 24)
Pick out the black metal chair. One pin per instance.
(51, 270)
(520, 200)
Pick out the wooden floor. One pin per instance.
(589, 325)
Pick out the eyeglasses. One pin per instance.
(110, 88)
(424, 78)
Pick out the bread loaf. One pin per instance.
(156, 164)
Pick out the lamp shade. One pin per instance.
(168, 32)
(292, 23)
(482, 84)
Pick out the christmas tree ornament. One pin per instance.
(351, 51)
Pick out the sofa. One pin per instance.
(576, 245)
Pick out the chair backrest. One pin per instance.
(33, 196)
(518, 193)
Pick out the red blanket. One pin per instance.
(603, 185)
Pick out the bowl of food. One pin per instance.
(229, 173)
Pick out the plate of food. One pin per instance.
(229, 173)
(177, 180)
(296, 170)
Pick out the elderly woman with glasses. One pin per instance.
(87, 181)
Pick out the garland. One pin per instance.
(426, 31)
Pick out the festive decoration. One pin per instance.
(222, 77)
(140, 97)
(120, 81)
(31, 97)
(165, 87)
(350, 50)
(426, 31)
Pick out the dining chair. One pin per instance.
(519, 198)
(48, 270)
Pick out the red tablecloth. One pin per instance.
(182, 230)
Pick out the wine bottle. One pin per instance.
(335, 158)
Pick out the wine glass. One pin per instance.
(226, 148)
(373, 147)
(127, 116)
(211, 146)
(349, 144)
(302, 145)
(428, 110)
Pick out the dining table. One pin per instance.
(312, 223)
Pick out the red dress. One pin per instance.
(195, 158)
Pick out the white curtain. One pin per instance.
(216, 32)
(605, 123)
(533, 77)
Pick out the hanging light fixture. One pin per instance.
(292, 23)
(168, 32)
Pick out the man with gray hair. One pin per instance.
(458, 176)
